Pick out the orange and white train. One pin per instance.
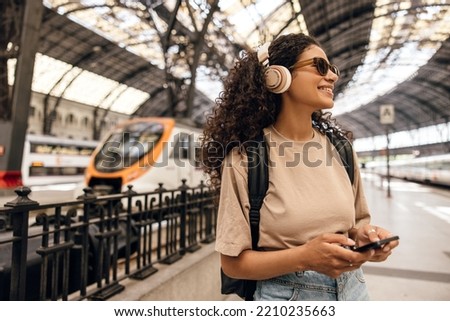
(144, 152)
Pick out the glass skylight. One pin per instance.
(404, 36)
(401, 41)
(253, 22)
(57, 78)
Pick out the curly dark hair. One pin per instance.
(245, 106)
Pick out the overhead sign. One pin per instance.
(387, 114)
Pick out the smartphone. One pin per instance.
(375, 245)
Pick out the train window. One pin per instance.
(83, 151)
(198, 155)
(440, 165)
(127, 146)
(38, 171)
(59, 149)
(445, 165)
(55, 171)
(181, 148)
(69, 171)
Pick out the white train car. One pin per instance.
(432, 169)
(429, 170)
(145, 152)
(51, 160)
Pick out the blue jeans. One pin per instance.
(313, 286)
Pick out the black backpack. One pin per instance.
(258, 182)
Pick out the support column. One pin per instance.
(12, 132)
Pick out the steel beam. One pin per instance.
(13, 132)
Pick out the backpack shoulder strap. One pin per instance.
(258, 182)
(345, 150)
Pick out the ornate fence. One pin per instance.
(82, 249)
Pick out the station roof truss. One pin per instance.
(389, 52)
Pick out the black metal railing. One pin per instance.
(82, 249)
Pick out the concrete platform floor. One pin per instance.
(419, 268)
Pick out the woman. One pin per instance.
(311, 213)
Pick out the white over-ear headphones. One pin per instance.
(278, 78)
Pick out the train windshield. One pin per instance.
(127, 146)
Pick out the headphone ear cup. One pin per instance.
(278, 79)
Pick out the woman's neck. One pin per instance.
(296, 126)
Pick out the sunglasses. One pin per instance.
(321, 65)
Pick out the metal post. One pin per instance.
(183, 212)
(82, 237)
(20, 102)
(387, 117)
(388, 174)
(130, 193)
(20, 244)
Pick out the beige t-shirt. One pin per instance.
(309, 194)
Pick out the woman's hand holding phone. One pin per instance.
(375, 245)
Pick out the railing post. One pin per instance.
(208, 210)
(82, 236)
(183, 212)
(129, 193)
(19, 220)
(160, 191)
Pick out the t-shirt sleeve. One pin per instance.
(362, 214)
(233, 227)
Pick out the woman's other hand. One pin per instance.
(371, 233)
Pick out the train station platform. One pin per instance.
(418, 269)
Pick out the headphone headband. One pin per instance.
(277, 78)
(263, 52)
